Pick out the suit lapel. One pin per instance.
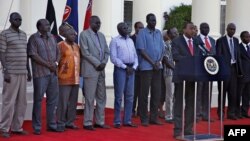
(225, 42)
(243, 51)
(185, 45)
(93, 38)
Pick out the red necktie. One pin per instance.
(190, 46)
(207, 44)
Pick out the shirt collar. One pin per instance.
(228, 38)
(121, 37)
(11, 29)
(150, 31)
(186, 38)
(203, 36)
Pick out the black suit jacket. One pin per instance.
(133, 37)
(180, 50)
(222, 49)
(245, 64)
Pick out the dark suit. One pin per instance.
(244, 82)
(202, 89)
(180, 50)
(230, 85)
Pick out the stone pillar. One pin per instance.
(207, 11)
(110, 13)
(143, 7)
(5, 9)
(237, 13)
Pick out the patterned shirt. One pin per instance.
(168, 53)
(69, 64)
(46, 49)
(14, 45)
(122, 52)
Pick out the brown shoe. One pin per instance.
(20, 132)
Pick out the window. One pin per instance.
(128, 14)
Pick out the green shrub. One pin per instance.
(178, 16)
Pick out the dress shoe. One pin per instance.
(232, 117)
(89, 127)
(74, 127)
(178, 137)
(169, 121)
(20, 132)
(145, 124)
(130, 125)
(37, 132)
(245, 116)
(5, 134)
(55, 130)
(188, 133)
(156, 122)
(104, 126)
(118, 126)
(206, 119)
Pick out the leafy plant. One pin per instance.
(178, 16)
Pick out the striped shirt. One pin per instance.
(14, 45)
(46, 49)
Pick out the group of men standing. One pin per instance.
(143, 64)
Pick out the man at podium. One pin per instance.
(184, 46)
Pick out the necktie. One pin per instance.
(190, 46)
(207, 44)
(248, 50)
(100, 48)
(232, 49)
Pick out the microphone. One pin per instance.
(201, 46)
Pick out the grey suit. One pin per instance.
(93, 54)
(202, 89)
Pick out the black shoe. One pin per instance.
(89, 127)
(188, 133)
(145, 124)
(169, 121)
(5, 134)
(74, 127)
(206, 119)
(37, 132)
(20, 132)
(55, 130)
(245, 116)
(104, 126)
(118, 126)
(130, 125)
(232, 117)
(156, 122)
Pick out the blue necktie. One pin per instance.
(248, 50)
(232, 49)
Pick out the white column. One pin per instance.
(143, 7)
(110, 13)
(237, 13)
(207, 11)
(5, 9)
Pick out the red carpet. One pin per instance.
(151, 133)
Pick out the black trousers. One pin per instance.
(230, 88)
(189, 108)
(202, 99)
(150, 79)
(244, 95)
(137, 89)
